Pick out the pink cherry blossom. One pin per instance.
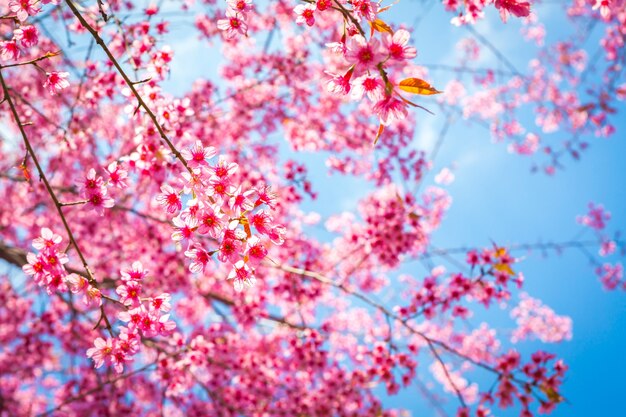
(233, 25)
(397, 45)
(24, 8)
(305, 14)
(56, 82)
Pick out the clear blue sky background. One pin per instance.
(496, 198)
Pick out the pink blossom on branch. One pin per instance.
(56, 82)
(517, 8)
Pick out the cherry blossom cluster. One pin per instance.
(219, 216)
(48, 271)
(394, 225)
(94, 190)
(469, 12)
(542, 370)
(534, 319)
(437, 294)
(596, 218)
(612, 276)
(46, 267)
(235, 22)
(26, 36)
(366, 75)
(146, 317)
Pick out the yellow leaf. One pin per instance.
(552, 394)
(417, 86)
(500, 252)
(504, 268)
(380, 26)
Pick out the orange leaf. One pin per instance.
(380, 132)
(380, 26)
(551, 393)
(417, 86)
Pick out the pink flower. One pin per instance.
(365, 55)
(396, 46)
(170, 199)
(24, 8)
(230, 250)
(596, 218)
(323, 4)
(444, 177)
(265, 195)
(365, 9)
(129, 293)
(183, 229)
(224, 169)
(612, 276)
(232, 25)
(256, 251)
(305, 14)
(56, 81)
(537, 320)
(91, 183)
(118, 358)
(9, 51)
(240, 201)
(339, 84)
(165, 326)
(261, 221)
(390, 109)
(200, 259)
(242, 276)
(102, 352)
(35, 267)
(117, 175)
(198, 155)
(134, 273)
(76, 283)
(147, 324)
(92, 296)
(210, 222)
(98, 201)
(219, 186)
(132, 317)
(162, 303)
(371, 85)
(240, 6)
(519, 9)
(605, 8)
(27, 35)
(607, 247)
(48, 240)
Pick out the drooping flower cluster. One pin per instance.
(145, 317)
(46, 267)
(219, 217)
(366, 62)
